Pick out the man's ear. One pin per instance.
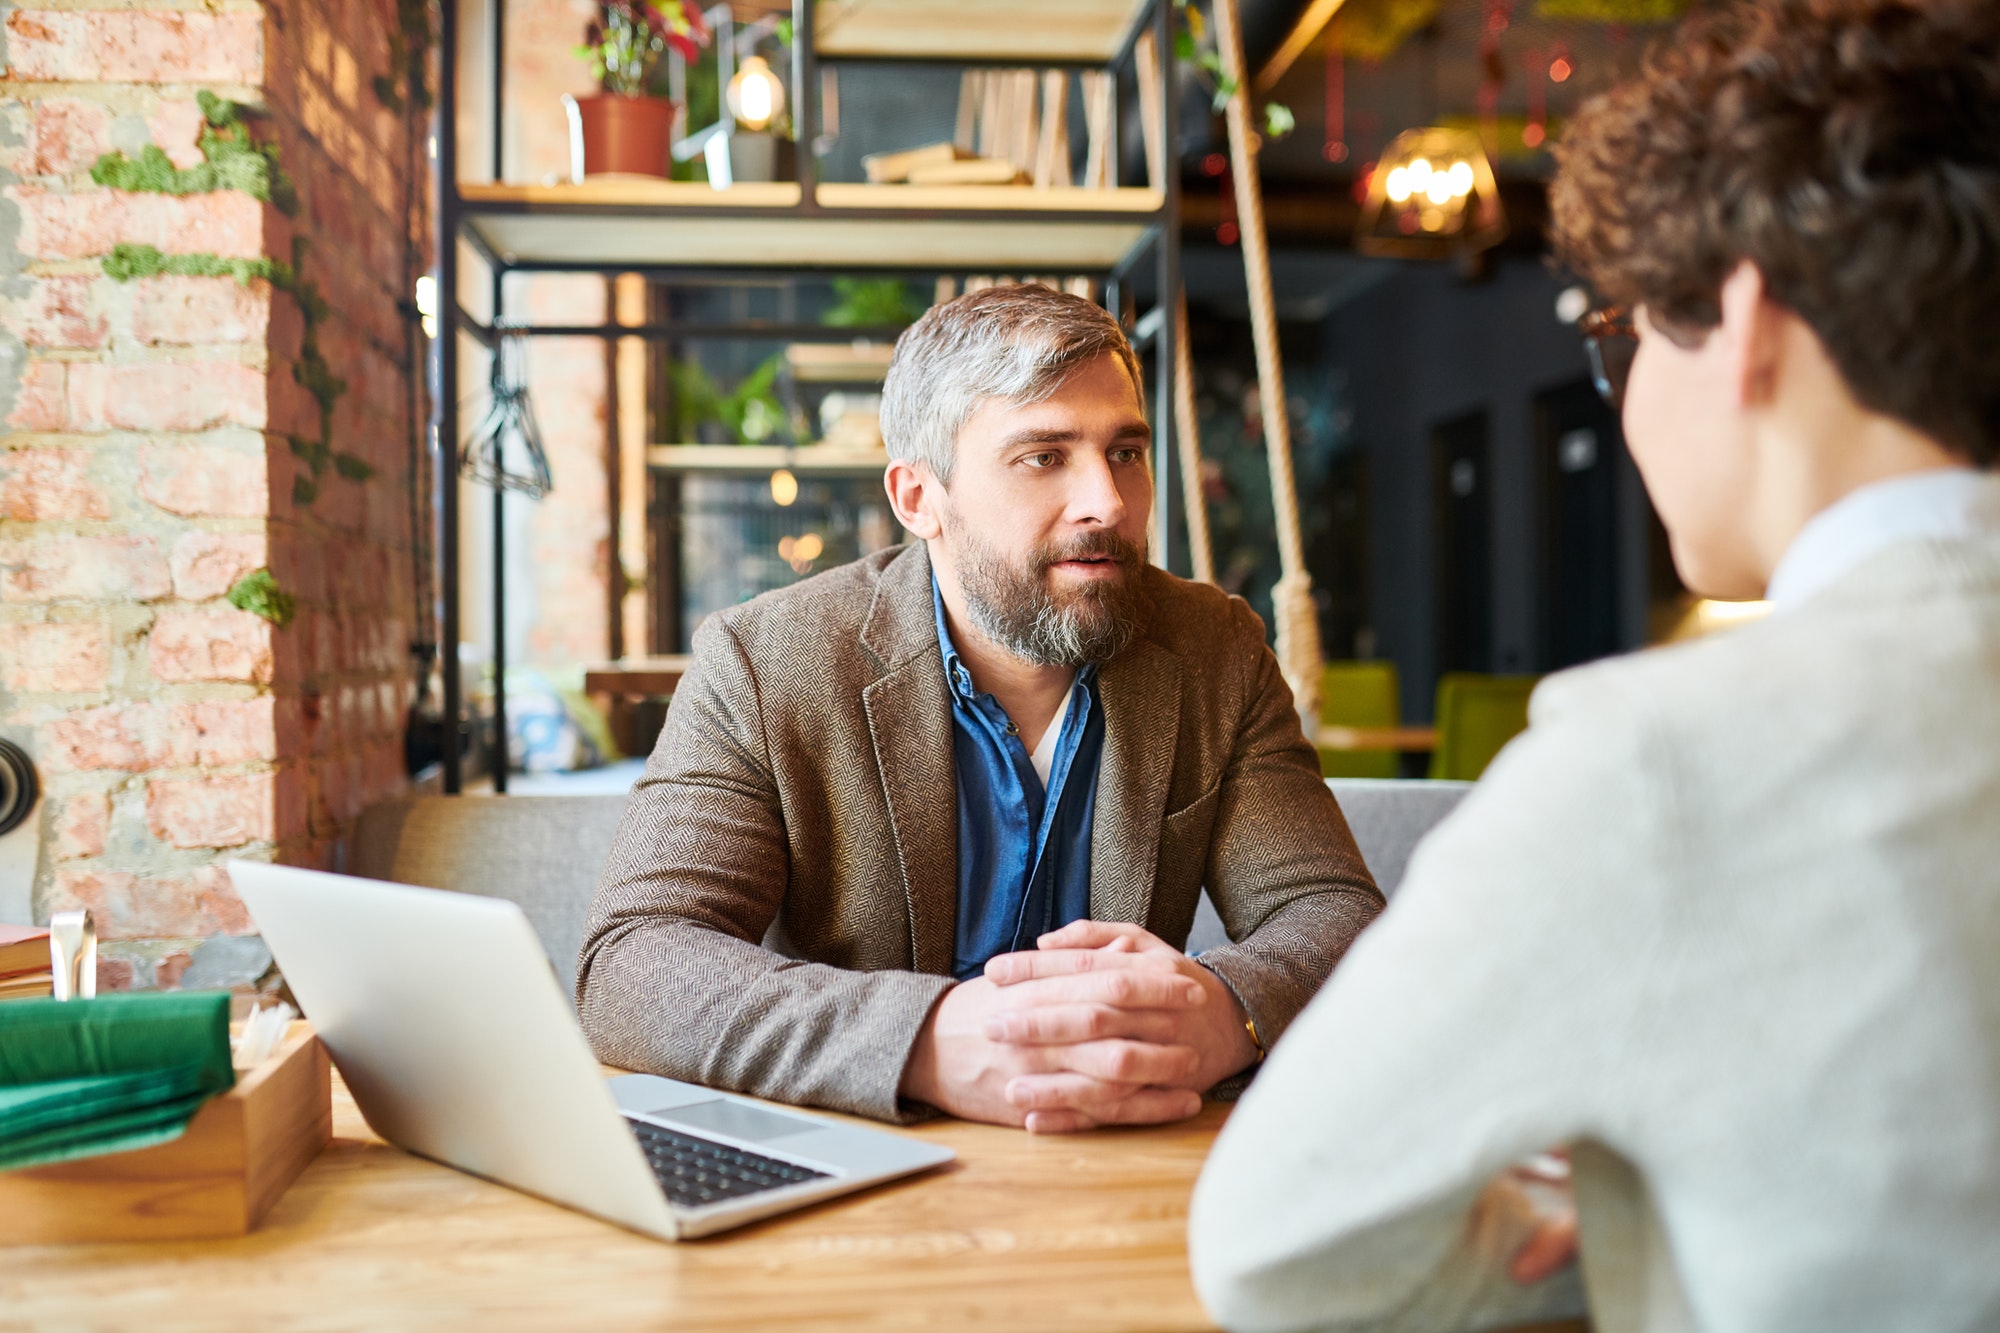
(1753, 335)
(913, 494)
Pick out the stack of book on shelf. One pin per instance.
(941, 164)
(25, 968)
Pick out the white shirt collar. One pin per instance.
(1941, 505)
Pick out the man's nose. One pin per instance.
(1094, 495)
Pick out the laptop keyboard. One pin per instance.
(695, 1171)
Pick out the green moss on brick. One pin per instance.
(231, 160)
(129, 260)
(258, 593)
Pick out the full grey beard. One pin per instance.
(1012, 604)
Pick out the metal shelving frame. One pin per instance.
(457, 215)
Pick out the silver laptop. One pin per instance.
(452, 1033)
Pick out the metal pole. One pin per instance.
(497, 78)
(444, 443)
(499, 765)
(805, 103)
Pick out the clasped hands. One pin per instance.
(1102, 1023)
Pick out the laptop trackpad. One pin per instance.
(735, 1119)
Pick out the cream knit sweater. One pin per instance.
(1727, 919)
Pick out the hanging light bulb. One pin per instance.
(1433, 196)
(756, 95)
(784, 487)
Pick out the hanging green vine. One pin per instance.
(316, 377)
(1193, 44)
(409, 58)
(231, 160)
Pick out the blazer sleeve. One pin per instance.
(672, 978)
(1284, 873)
(1490, 1014)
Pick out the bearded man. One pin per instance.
(927, 832)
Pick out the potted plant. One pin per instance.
(625, 129)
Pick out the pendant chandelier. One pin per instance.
(1432, 196)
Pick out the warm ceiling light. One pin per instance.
(756, 95)
(1433, 196)
(784, 488)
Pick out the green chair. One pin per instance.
(1359, 694)
(1476, 716)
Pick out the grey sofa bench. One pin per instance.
(545, 852)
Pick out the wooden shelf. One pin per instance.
(1026, 200)
(838, 363)
(635, 192)
(750, 459)
(672, 224)
(1030, 31)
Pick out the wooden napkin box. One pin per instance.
(240, 1152)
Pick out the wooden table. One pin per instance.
(1377, 738)
(1020, 1233)
(1077, 1232)
(637, 677)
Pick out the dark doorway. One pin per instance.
(1578, 448)
(1462, 542)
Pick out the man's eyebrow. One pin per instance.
(1131, 430)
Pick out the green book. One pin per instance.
(85, 1077)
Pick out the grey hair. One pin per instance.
(1017, 343)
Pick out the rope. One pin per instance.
(1187, 433)
(1291, 600)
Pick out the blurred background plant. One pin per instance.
(751, 413)
(871, 303)
(624, 43)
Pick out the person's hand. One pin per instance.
(1117, 1070)
(1540, 1188)
(1036, 1012)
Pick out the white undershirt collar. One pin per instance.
(1044, 757)
(1955, 503)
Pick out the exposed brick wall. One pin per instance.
(148, 460)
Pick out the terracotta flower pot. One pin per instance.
(614, 135)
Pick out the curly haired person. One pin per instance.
(1721, 930)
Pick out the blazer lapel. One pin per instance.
(1140, 691)
(909, 725)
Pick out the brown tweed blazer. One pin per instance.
(803, 794)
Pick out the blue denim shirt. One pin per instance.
(1023, 853)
